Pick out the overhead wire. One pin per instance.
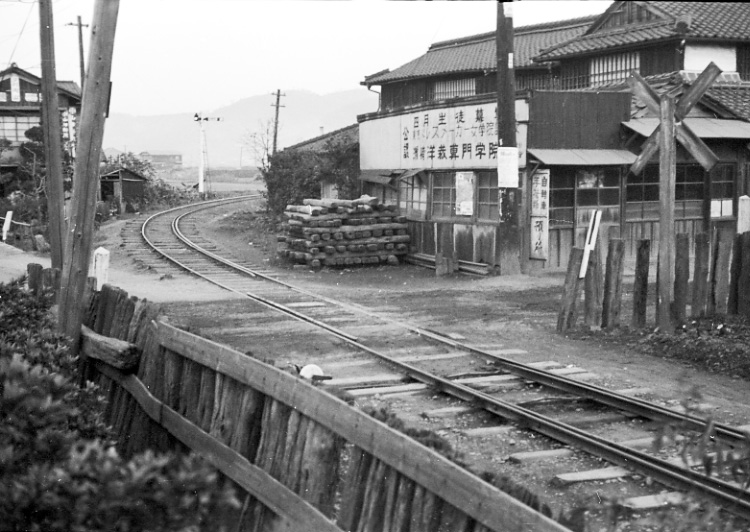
(28, 16)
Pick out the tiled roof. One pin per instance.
(725, 21)
(730, 98)
(348, 134)
(477, 52)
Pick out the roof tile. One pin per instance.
(477, 52)
(708, 20)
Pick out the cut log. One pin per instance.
(117, 353)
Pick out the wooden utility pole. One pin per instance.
(506, 89)
(276, 119)
(78, 245)
(511, 197)
(52, 131)
(80, 47)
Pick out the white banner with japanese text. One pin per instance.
(539, 215)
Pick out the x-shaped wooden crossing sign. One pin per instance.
(671, 127)
(684, 135)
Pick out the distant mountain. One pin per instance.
(301, 118)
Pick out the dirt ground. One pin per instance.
(519, 311)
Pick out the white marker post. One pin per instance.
(590, 244)
(101, 267)
(6, 224)
(743, 215)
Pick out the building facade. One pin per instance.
(20, 110)
(579, 129)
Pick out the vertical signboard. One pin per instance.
(539, 215)
(464, 193)
(507, 167)
(15, 88)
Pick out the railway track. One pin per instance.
(377, 354)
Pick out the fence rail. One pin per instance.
(305, 459)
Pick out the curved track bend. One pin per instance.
(173, 235)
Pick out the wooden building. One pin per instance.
(345, 139)
(20, 110)
(578, 131)
(669, 43)
(125, 188)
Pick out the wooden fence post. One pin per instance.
(719, 286)
(640, 286)
(613, 284)
(35, 277)
(681, 278)
(734, 276)
(743, 284)
(567, 316)
(700, 275)
(593, 288)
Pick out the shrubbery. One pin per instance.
(59, 470)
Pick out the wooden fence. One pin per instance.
(304, 459)
(720, 282)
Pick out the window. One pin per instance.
(689, 191)
(413, 197)
(722, 191)
(455, 88)
(615, 67)
(488, 195)
(562, 196)
(642, 194)
(14, 127)
(582, 188)
(598, 187)
(443, 194)
(483, 195)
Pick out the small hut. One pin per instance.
(122, 187)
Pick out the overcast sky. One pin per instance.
(175, 56)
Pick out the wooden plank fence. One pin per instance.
(720, 282)
(304, 459)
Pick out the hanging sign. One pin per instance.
(464, 193)
(507, 167)
(539, 215)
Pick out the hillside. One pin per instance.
(301, 118)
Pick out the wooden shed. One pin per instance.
(123, 187)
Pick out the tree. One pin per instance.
(130, 161)
(290, 177)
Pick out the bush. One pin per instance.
(59, 470)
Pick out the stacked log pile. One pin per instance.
(331, 232)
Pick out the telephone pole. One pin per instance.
(79, 242)
(80, 47)
(276, 120)
(52, 131)
(202, 164)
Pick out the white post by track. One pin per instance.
(101, 267)
(6, 224)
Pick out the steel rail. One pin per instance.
(732, 497)
(633, 405)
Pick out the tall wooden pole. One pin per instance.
(667, 178)
(79, 241)
(506, 89)
(52, 131)
(276, 119)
